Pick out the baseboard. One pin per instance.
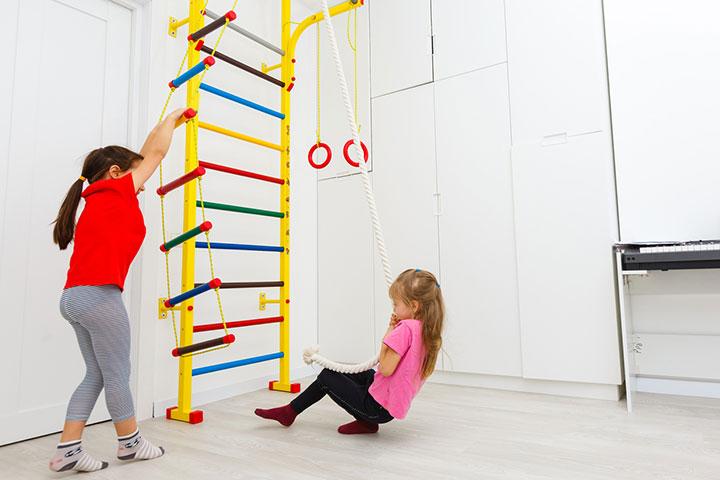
(228, 391)
(686, 388)
(516, 384)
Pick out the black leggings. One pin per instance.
(349, 390)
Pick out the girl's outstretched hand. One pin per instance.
(158, 141)
(155, 148)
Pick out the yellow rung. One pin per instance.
(239, 136)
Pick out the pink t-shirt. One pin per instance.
(396, 392)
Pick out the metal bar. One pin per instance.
(242, 66)
(238, 209)
(203, 227)
(239, 136)
(250, 285)
(196, 347)
(238, 246)
(241, 101)
(236, 363)
(240, 323)
(179, 182)
(212, 26)
(247, 34)
(242, 173)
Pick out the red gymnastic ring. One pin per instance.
(347, 155)
(325, 147)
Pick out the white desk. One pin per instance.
(640, 260)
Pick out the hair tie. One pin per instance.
(418, 270)
(81, 178)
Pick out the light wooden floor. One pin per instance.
(452, 433)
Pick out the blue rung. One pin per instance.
(236, 363)
(242, 101)
(239, 246)
(206, 63)
(212, 284)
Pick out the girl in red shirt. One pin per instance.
(107, 237)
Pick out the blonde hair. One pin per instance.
(422, 287)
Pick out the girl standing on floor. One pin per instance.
(108, 235)
(407, 358)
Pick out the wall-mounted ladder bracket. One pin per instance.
(263, 301)
(174, 24)
(163, 310)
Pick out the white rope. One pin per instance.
(311, 355)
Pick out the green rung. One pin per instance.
(239, 209)
(203, 227)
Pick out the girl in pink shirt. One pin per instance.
(407, 358)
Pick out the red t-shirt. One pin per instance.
(108, 234)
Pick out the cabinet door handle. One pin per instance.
(437, 204)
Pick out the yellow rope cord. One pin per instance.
(317, 75)
(353, 47)
(162, 208)
(194, 142)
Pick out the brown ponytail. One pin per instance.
(96, 165)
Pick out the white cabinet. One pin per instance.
(404, 180)
(344, 271)
(467, 35)
(566, 224)
(477, 238)
(556, 58)
(400, 44)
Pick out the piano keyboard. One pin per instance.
(670, 256)
(690, 247)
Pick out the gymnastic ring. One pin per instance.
(347, 156)
(325, 147)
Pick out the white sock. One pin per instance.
(71, 456)
(135, 447)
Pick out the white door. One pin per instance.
(400, 45)
(404, 153)
(477, 234)
(467, 35)
(70, 94)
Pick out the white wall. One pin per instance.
(665, 102)
(664, 96)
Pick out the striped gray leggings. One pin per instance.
(100, 321)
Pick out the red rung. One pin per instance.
(191, 175)
(241, 323)
(242, 173)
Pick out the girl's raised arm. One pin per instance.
(155, 148)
